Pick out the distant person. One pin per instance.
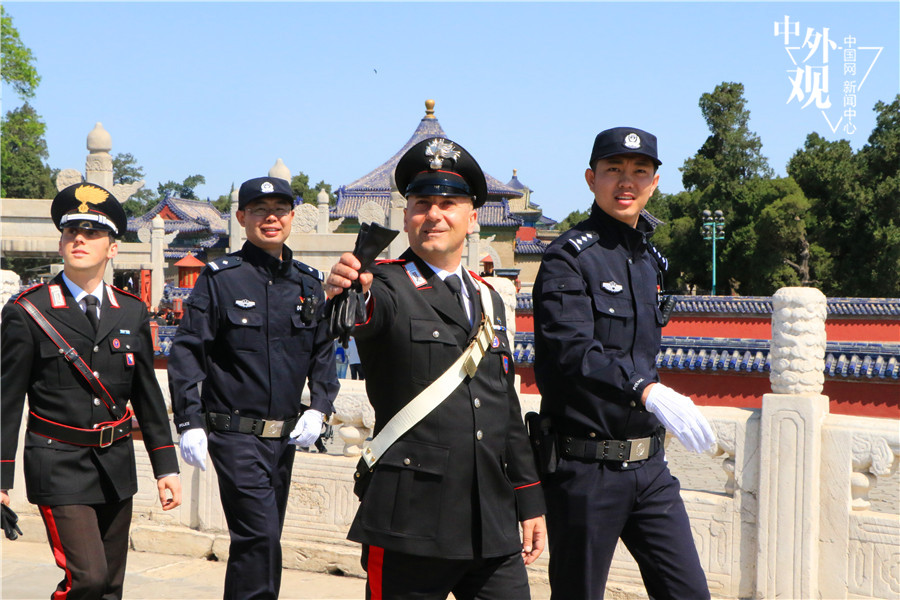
(488, 267)
(598, 321)
(252, 336)
(356, 368)
(79, 454)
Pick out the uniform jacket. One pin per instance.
(457, 484)
(598, 328)
(244, 335)
(121, 351)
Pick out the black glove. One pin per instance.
(348, 308)
(8, 520)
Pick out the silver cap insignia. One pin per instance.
(439, 150)
(632, 141)
(267, 187)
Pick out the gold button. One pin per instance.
(592, 435)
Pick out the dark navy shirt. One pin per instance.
(598, 328)
(245, 345)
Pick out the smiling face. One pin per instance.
(267, 222)
(85, 252)
(437, 227)
(622, 185)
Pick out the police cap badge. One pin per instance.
(440, 167)
(624, 140)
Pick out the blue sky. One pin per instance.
(335, 89)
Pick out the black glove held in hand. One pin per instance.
(8, 520)
(347, 309)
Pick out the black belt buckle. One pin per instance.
(112, 431)
(71, 355)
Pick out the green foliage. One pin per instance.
(300, 187)
(17, 60)
(22, 154)
(127, 170)
(573, 218)
(223, 202)
(183, 190)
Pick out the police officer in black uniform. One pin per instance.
(253, 334)
(442, 510)
(79, 453)
(597, 333)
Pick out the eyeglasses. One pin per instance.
(265, 211)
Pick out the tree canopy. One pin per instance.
(17, 60)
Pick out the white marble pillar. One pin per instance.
(324, 211)
(395, 221)
(157, 259)
(235, 231)
(791, 448)
(98, 168)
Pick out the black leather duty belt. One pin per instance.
(263, 428)
(101, 436)
(614, 450)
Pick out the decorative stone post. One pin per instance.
(157, 259)
(324, 211)
(473, 249)
(98, 168)
(395, 221)
(791, 448)
(235, 231)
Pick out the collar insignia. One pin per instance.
(632, 141)
(56, 297)
(612, 287)
(112, 297)
(438, 150)
(414, 275)
(245, 303)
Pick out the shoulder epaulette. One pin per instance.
(226, 262)
(579, 243)
(660, 259)
(308, 270)
(33, 288)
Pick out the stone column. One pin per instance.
(157, 259)
(395, 221)
(98, 168)
(473, 249)
(324, 211)
(235, 231)
(791, 448)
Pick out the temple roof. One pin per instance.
(534, 246)
(376, 185)
(190, 216)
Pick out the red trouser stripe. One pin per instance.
(58, 552)
(374, 568)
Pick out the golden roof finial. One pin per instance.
(429, 109)
(514, 172)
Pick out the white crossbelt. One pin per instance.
(429, 398)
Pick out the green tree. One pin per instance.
(22, 154)
(223, 202)
(300, 186)
(17, 60)
(184, 190)
(127, 170)
(572, 219)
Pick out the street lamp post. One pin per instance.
(713, 229)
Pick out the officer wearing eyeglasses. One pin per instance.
(251, 337)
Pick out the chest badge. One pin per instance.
(495, 343)
(414, 275)
(129, 359)
(612, 287)
(116, 343)
(505, 364)
(244, 303)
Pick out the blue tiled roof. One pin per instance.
(858, 360)
(194, 215)
(534, 246)
(376, 185)
(495, 213)
(762, 306)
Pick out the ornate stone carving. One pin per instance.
(872, 456)
(371, 212)
(306, 216)
(354, 417)
(333, 225)
(124, 191)
(67, 177)
(798, 341)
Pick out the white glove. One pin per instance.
(193, 447)
(681, 417)
(308, 428)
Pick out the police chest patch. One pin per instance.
(613, 287)
(244, 303)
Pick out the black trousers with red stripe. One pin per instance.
(89, 543)
(399, 576)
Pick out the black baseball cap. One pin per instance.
(624, 140)
(262, 187)
(88, 206)
(440, 167)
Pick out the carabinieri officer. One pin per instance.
(597, 333)
(251, 337)
(441, 513)
(79, 378)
